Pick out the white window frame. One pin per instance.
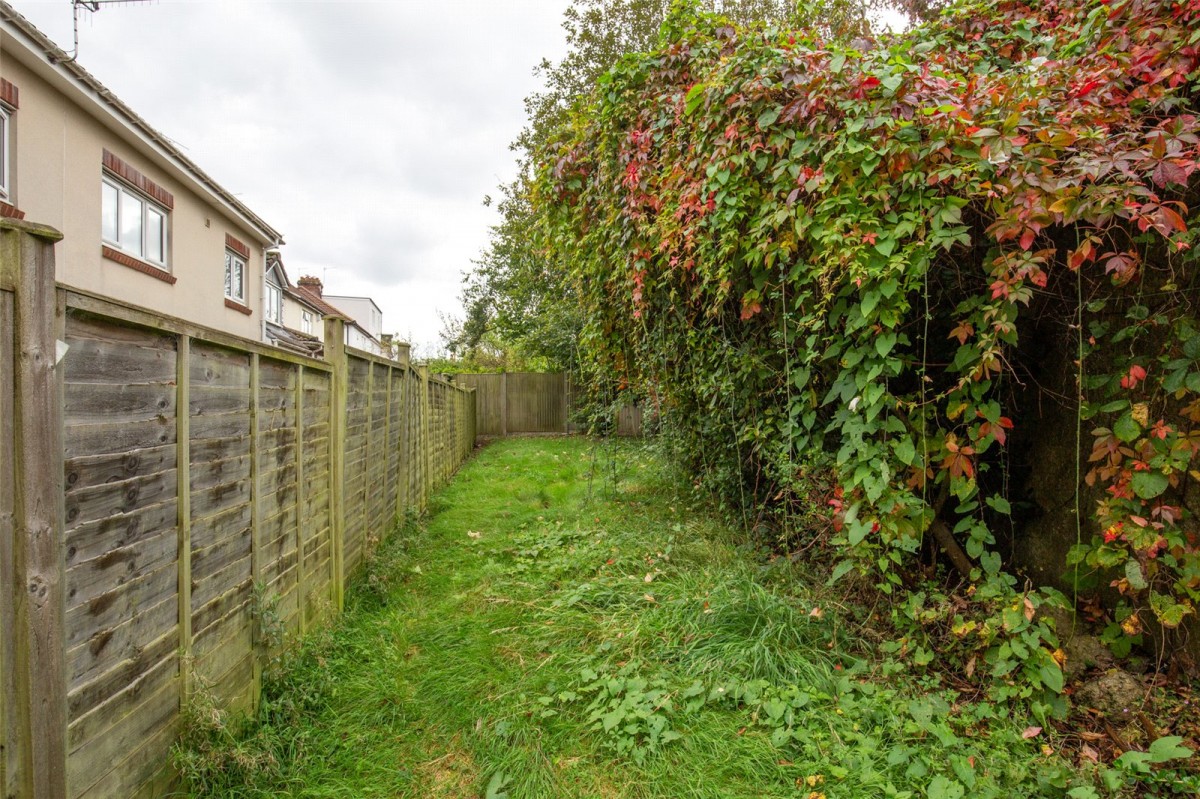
(5, 137)
(148, 207)
(232, 258)
(306, 322)
(274, 303)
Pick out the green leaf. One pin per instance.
(1168, 748)
(884, 343)
(1149, 485)
(905, 450)
(837, 62)
(1052, 677)
(1168, 612)
(695, 97)
(870, 300)
(1126, 429)
(1135, 575)
(840, 571)
(885, 246)
(1000, 505)
(767, 118)
(945, 788)
(496, 785)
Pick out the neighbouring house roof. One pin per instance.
(309, 297)
(288, 339)
(355, 297)
(54, 61)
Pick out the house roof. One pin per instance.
(305, 295)
(353, 297)
(52, 61)
(295, 340)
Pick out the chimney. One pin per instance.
(311, 283)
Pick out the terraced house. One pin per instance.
(142, 223)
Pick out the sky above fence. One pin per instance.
(368, 133)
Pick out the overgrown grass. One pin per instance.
(570, 622)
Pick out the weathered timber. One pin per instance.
(98, 718)
(95, 758)
(89, 579)
(39, 701)
(96, 403)
(93, 652)
(83, 698)
(118, 437)
(125, 496)
(87, 471)
(11, 734)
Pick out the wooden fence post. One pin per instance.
(256, 520)
(402, 472)
(298, 454)
(426, 437)
(38, 581)
(335, 354)
(183, 505)
(503, 404)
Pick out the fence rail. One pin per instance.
(159, 484)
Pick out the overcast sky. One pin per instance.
(368, 133)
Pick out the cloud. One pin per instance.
(367, 132)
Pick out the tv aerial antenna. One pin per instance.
(92, 6)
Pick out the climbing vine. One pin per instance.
(821, 258)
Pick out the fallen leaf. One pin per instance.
(649, 578)
(1031, 732)
(474, 534)
(649, 598)
(1090, 754)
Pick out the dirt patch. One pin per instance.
(452, 774)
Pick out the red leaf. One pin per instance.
(1168, 172)
(1027, 238)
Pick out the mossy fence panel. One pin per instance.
(163, 486)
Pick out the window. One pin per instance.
(274, 303)
(133, 224)
(5, 183)
(235, 276)
(306, 323)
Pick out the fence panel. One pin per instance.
(489, 402)
(277, 493)
(537, 403)
(316, 521)
(121, 533)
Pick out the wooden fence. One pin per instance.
(160, 485)
(513, 403)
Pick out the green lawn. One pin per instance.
(571, 622)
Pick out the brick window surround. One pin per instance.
(116, 256)
(237, 246)
(237, 306)
(139, 181)
(9, 95)
(11, 98)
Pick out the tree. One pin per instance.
(519, 295)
